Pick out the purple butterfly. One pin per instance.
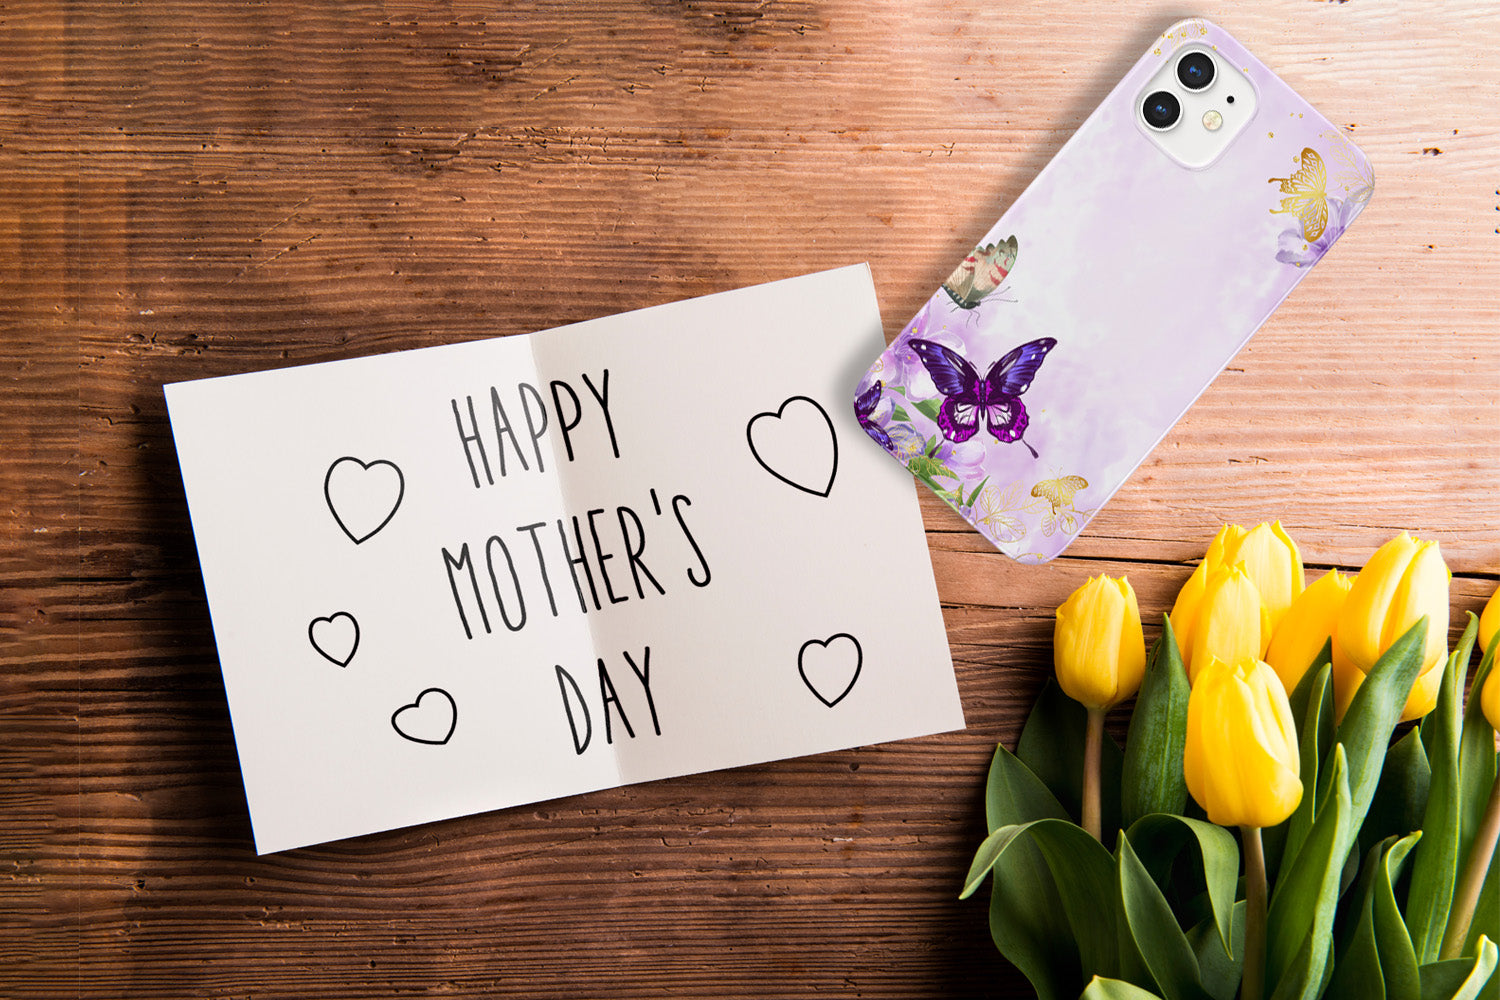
(864, 406)
(997, 396)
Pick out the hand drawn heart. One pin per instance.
(336, 637)
(363, 496)
(433, 723)
(797, 445)
(830, 664)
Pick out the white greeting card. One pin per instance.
(468, 577)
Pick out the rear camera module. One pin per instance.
(1161, 110)
(1195, 70)
(1192, 106)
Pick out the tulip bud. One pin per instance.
(1404, 580)
(1489, 622)
(1232, 622)
(1489, 698)
(1307, 627)
(1241, 760)
(1272, 562)
(1190, 598)
(1098, 647)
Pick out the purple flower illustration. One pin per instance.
(965, 459)
(906, 443)
(1294, 250)
(905, 368)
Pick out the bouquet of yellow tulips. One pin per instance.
(1271, 840)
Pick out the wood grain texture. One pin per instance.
(197, 189)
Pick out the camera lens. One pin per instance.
(1161, 110)
(1196, 70)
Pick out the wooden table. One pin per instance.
(197, 189)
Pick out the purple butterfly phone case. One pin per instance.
(1093, 313)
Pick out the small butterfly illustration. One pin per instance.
(997, 397)
(1065, 520)
(980, 273)
(864, 407)
(1000, 513)
(1059, 492)
(1305, 195)
(1060, 513)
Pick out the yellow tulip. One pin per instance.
(1190, 598)
(1404, 580)
(1489, 695)
(1489, 698)
(1272, 561)
(1489, 622)
(1307, 627)
(1098, 647)
(1241, 760)
(1231, 623)
(1267, 556)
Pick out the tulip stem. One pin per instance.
(1466, 893)
(1093, 744)
(1252, 984)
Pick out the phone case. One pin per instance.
(1094, 312)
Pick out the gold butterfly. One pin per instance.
(999, 512)
(1065, 520)
(1059, 492)
(1306, 194)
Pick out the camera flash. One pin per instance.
(1212, 120)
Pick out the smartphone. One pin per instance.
(1121, 281)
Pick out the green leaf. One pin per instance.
(1299, 696)
(1441, 980)
(1314, 720)
(1476, 758)
(1160, 837)
(1051, 744)
(990, 851)
(1028, 926)
(1083, 873)
(1012, 794)
(1486, 912)
(975, 495)
(1365, 732)
(925, 467)
(1378, 960)
(1153, 927)
(1358, 973)
(1026, 916)
(928, 408)
(1299, 926)
(1304, 963)
(1398, 958)
(1401, 796)
(1220, 972)
(899, 415)
(1311, 702)
(1152, 779)
(1460, 978)
(1436, 866)
(1100, 988)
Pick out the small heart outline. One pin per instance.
(859, 662)
(833, 436)
(365, 467)
(417, 706)
(312, 637)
